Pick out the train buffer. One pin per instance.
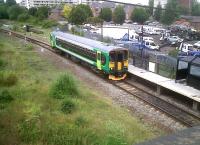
(162, 85)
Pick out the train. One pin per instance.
(109, 59)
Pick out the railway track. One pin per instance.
(176, 113)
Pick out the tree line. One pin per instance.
(81, 13)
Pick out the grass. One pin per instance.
(33, 116)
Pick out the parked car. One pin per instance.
(151, 45)
(197, 45)
(148, 38)
(174, 40)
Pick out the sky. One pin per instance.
(143, 2)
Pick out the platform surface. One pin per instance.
(167, 83)
(190, 136)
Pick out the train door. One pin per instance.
(120, 60)
(99, 60)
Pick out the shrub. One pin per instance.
(68, 107)
(80, 121)
(173, 53)
(2, 64)
(48, 23)
(23, 17)
(8, 79)
(65, 86)
(5, 96)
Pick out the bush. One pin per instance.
(65, 86)
(173, 53)
(8, 79)
(23, 17)
(80, 121)
(68, 107)
(2, 64)
(48, 24)
(29, 47)
(5, 96)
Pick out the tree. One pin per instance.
(158, 12)
(1, 1)
(106, 14)
(195, 8)
(3, 11)
(119, 15)
(79, 14)
(42, 12)
(139, 15)
(15, 10)
(10, 2)
(150, 9)
(32, 11)
(66, 10)
(171, 12)
(94, 20)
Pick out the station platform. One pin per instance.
(169, 84)
(190, 136)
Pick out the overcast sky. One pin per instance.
(143, 2)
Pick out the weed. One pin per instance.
(80, 121)
(8, 79)
(5, 96)
(29, 131)
(29, 47)
(2, 63)
(65, 86)
(68, 107)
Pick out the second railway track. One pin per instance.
(177, 113)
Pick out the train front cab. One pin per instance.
(118, 64)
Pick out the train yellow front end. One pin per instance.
(118, 64)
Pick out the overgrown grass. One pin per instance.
(64, 87)
(31, 116)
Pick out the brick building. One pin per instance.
(185, 3)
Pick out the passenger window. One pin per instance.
(120, 56)
(112, 56)
(147, 43)
(125, 55)
(103, 59)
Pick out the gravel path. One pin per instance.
(144, 112)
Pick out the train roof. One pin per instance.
(85, 42)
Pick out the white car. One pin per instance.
(174, 39)
(197, 45)
(151, 45)
(148, 38)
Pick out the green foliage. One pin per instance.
(195, 8)
(1, 1)
(81, 121)
(42, 12)
(65, 86)
(32, 11)
(171, 12)
(29, 47)
(158, 12)
(66, 10)
(3, 11)
(119, 15)
(29, 131)
(139, 15)
(5, 96)
(14, 11)
(10, 2)
(2, 63)
(8, 79)
(23, 17)
(94, 20)
(48, 23)
(76, 18)
(106, 14)
(150, 9)
(68, 106)
(173, 53)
